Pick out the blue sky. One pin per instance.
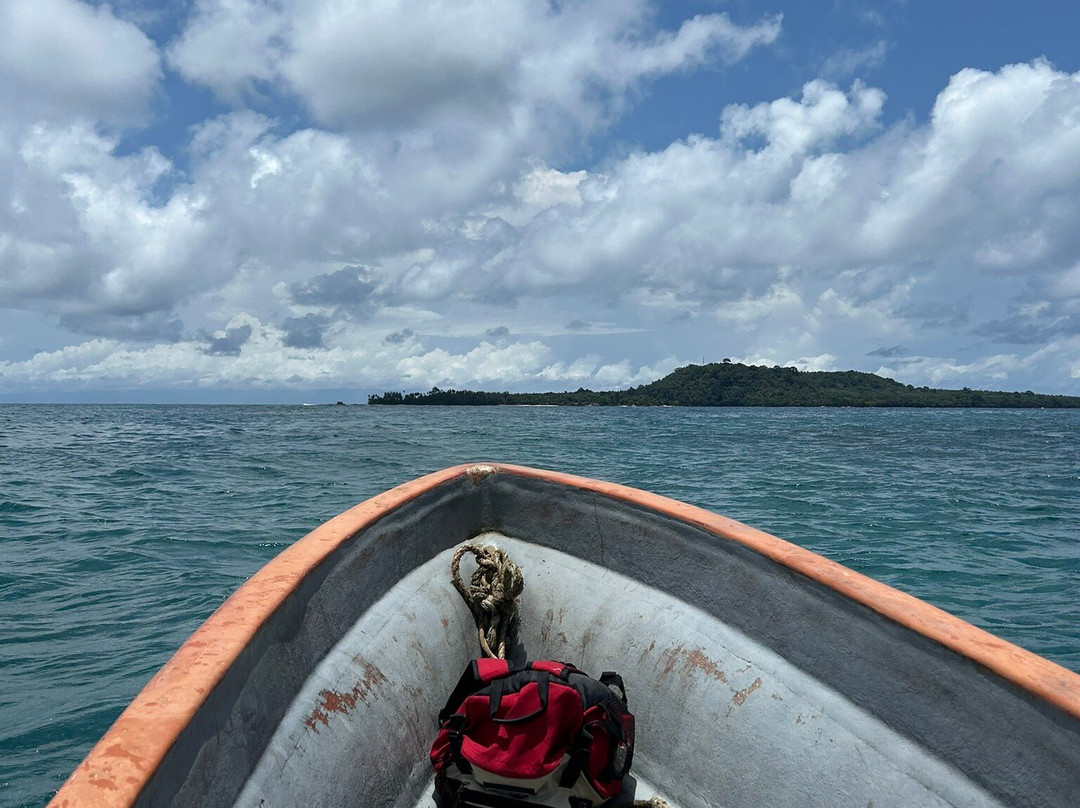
(246, 200)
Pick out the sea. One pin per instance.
(123, 527)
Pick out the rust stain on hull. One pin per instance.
(689, 660)
(697, 659)
(545, 627)
(740, 696)
(334, 701)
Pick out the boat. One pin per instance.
(760, 673)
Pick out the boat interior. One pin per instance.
(753, 683)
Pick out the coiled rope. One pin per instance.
(492, 598)
(491, 594)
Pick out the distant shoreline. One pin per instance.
(731, 384)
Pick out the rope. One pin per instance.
(491, 594)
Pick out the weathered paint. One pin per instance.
(863, 679)
(333, 701)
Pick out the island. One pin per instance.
(731, 384)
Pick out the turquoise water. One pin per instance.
(123, 527)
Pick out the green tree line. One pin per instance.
(731, 384)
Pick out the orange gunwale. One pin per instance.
(119, 766)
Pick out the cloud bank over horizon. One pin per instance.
(244, 194)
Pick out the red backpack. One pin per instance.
(545, 734)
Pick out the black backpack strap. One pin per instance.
(498, 687)
(455, 726)
(468, 684)
(614, 682)
(579, 758)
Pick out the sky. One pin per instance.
(290, 200)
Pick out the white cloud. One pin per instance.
(705, 215)
(86, 239)
(248, 352)
(391, 64)
(821, 362)
(793, 128)
(624, 374)
(231, 46)
(999, 147)
(442, 109)
(782, 201)
(543, 188)
(849, 62)
(580, 369)
(63, 58)
(996, 368)
(780, 300)
(486, 363)
(117, 243)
